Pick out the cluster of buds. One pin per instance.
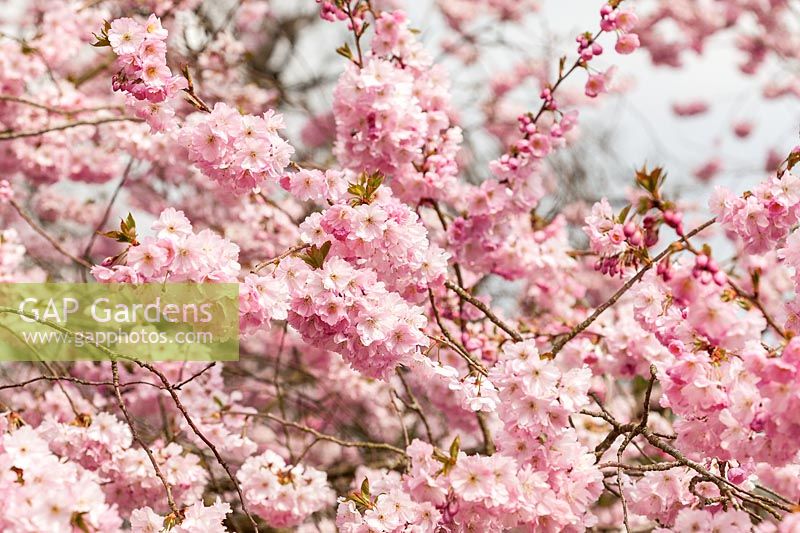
(706, 270)
(674, 219)
(587, 48)
(650, 226)
(633, 234)
(329, 11)
(549, 100)
(664, 271)
(341, 10)
(632, 237)
(141, 51)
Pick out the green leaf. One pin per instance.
(365, 488)
(77, 521)
(454, 448)
(130, 222)
(345, 51)
(111, 234)
(650, 181)
(365, 188)
(325, 249)
(357, 190)
(624, 214)
(101, 42)
(102, 39)
(315, 257)
(126, 233)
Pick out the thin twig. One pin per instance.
(323, 436)
(137, 438)
(485, 310)
(414, 405)
(460, 349)
(281, 257)
(38, 229)
(170, 389)
(88, 250)
(58, 110)
(7, 136)
(488, 442)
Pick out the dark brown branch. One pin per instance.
(516, 335)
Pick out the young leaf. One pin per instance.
(624, 214)
(345, 51)
(454, 448)
(102, 39)
(130, 222)
(315, 257)
(365, 488)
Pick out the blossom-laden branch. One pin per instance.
(340, 329)
(577, 330)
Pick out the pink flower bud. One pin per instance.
(630, 228)
(736, 475)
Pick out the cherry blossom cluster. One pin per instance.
(536, 401)
(622, 21)
(283, 495)
(384, 235)
(392, 508)
(393, 114)
(704, 381)
(612, 18)
(240, 152)
(35, 482)
(197, 518)
(105, 447)
(347, 310)
(144, 75)
(175, 253)
(762, 218)
(612, 239)
(458, 490)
